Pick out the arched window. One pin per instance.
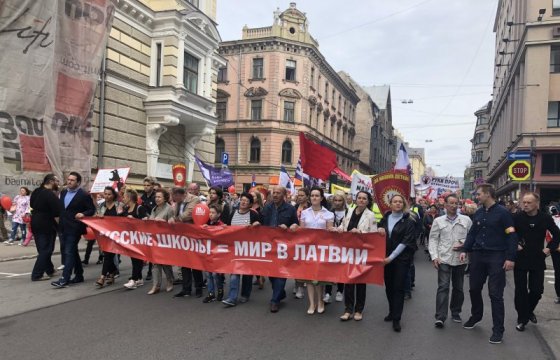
(286, 152)
(220, 148)
(255, 155)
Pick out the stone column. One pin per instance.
(156, 127)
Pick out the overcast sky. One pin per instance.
(437, 53)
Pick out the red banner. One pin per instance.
(303, 254)
(390, 183)
(179, 174)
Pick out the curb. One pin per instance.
(28, 257)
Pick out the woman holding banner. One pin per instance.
(316, 217)
(399, 229)
(162, 212)
(358, 220)
(108, 208)
(131, 209)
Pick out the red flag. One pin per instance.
(390, 183)
(317, 161)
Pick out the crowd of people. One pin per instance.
(487, 239)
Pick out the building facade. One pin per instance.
(277, 84)
(156, 103)
(480, 144)
(367, 128)
(383, 147)
(525, 114)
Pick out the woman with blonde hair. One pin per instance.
(400, 231)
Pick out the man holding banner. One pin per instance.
(278, 213)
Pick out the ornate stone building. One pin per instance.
(479, 152)
(156, 103)
(276, 84)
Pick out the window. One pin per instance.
(555, 7)
(222, 74)
(555, 59)
(291, 70)
(312, 77)
(478, 138)
(256, 109)
(286, 152)
(550, 164)
(258, 68)
(332, 99)
(221, 110)
(255, 156)
(190, 73)
(478, 156)
(326, 91)
(477, 174)
(220, 149)
(554, 114)
(158, 64)
(289, 107)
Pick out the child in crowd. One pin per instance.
(215, 281)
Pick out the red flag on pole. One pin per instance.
(317, 161)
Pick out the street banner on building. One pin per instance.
(388, 184)
(115, 178)
(360, 182)
(51, 58)
(179, 174)
(259, 250)
(433, 187)
(213, 176)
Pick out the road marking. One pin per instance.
(549, 276)
(10, 275)
(551, 282)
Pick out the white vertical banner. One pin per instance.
(51, 58)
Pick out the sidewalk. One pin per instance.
(16, 252)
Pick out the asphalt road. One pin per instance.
(40, 322)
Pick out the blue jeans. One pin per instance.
(214, 282)
(72, 259)
(233, 287)
(483, 265)
(278, 292)
(43, 263)
(15, 227)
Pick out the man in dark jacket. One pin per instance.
(278, 213)
(531, 225)
(75, 203)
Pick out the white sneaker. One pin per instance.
(299, 292)
(339, 297)
(61, 267)
(327, 299)
(139, 282)
(131, 284)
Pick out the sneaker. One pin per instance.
(520, 327)
(220, 296)
(8, 242)
(131, 284)
(471, 323)
(139, 282)
(496, 338)
(42, 278)
(327, 298)
(229, 303)
(60, 283)
(299, 292)
(209, 298)
(85, 262)
(339, 297)
(439, 324)
(61, 267)
(456, 318)
(77, 280)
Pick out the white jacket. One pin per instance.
(367, 222)
(446, 234)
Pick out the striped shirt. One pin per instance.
(241, 219)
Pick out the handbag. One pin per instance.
(26, 218)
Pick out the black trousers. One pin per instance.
(339, 288)
(529, 287)
(108, 264)
(188, 274)
(395, 279)
(354, 303)
(137, 265)
(556, 262)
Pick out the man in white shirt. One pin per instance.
(447, 236)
